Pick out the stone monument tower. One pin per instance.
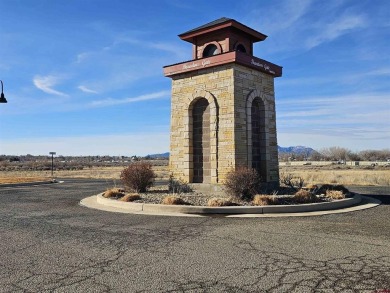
(223, 106)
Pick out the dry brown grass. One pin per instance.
(87, 173)
(335, 194)
(5, 180)
(173, 200)
(311, 186)
(265, 200)
(332, 175)
(114, 192)
(219, 202)
(304, 196)
(130, 197)
(310, 174)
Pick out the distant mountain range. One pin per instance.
(295, 150)
(163, 155)
(281, 150)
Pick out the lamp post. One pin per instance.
(2, 98)
(52, 162)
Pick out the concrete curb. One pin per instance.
(27, 183)
(160, 208)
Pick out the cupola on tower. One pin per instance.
(223, 106)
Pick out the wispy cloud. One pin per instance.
(339, 27)
(352, 115)
(112, 102)
(82, 56)
(46, 83)
(87, 90)
(288, 11)
(352, 77)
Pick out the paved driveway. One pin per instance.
(51, 244)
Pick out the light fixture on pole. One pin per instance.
(52, 162)
(2, 98)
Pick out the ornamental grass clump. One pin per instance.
(173, 200)
(138, 177)
(178, 186)
(114, 192)
(304, 196)
(130, 197)
(324, 188)
(219, 202)
(243, 183)
(265, 200)
(335, 194)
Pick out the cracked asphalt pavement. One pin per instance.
(51, 244)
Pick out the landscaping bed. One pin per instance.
(157, 195)
(242, 187)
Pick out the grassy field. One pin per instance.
(333, 174)
(340, 174)
(92, 173)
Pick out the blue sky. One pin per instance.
(84, 77)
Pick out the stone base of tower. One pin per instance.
(222, 118)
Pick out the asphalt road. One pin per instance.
(48, 243)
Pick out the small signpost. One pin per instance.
(52, 162)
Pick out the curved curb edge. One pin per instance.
(341, 206)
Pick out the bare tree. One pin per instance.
(375, 155)
(336, 153)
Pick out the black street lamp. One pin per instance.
(52, 162)
(2, 98)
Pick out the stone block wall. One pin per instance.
(230, 90)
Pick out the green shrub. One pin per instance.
(243, 183)
(138, 176)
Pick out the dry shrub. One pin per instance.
(138, 176)
(311, 186)
(178, 186)
(114, 192)
(295, 183)
(265, 200)
(243, 183)
(220, 202)
(324, 188)
(335, 194)
(173, 200)
(130, 197)
(304, 196)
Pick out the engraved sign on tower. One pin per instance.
(223, 106)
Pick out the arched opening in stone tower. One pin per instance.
(259, 161)
(201, 141)
(210, 50)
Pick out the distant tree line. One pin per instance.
(336, 154)
(43, 163)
